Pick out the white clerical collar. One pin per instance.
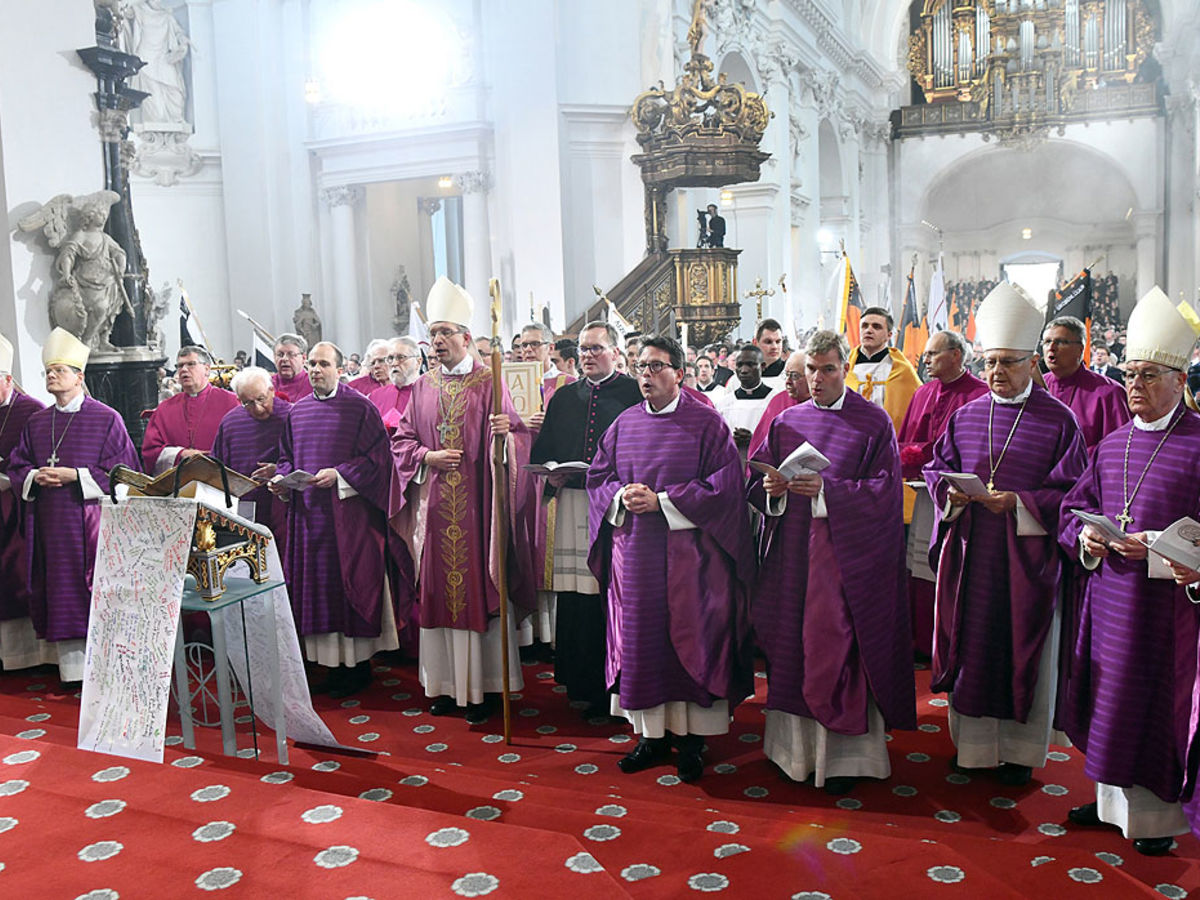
(464, 367)
(73, 405)
(669, 408)
(835, 405)
(1020, 398)
(1159, 424)
(328, 396)
(594, 383)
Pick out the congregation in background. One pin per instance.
(669, 513)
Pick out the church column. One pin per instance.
(477, 245)
(775, 62)
(344, 304)
(1146, 231)
(750, 224)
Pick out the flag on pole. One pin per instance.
(938, 311)
(418, 328)
(849, 301)
(262, 344)
(190, 332)
(909, 331)
(1075, 299)
(618, 321)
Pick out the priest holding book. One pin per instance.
(994, 548)
(1129, 689)
(830, 609)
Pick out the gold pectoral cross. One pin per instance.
(1125, 519)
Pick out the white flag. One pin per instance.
(939, 313)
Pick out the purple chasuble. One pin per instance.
(1128, 693)
(453, 524)
(925, 421)
(678, 610)
(1099, 403)
(391, 401)
(996, 592)
(188, 422)
(242, 443)
(292, 389)
(336, 548)
(840, 578)
(60, 526)
(777, 404)
(14, 579)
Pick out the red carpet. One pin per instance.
(446, 809)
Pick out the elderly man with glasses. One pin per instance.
(403, 361)
(291, 373)
(1130, 689)
(672, 552)
(378, 372)
(950, 386)
(185, 424)
(247, 441)
(994, 542)
(1098, 402)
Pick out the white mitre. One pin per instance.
(1008, 320)
(1161, 332)
(447, 302)
(6, 356)
(64, 349)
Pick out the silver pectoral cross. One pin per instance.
(52, 459)
(1125, 519)
(443, 429)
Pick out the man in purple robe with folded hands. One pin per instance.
(60, 467)
(994, 548)
(1128, 694)
(830, 610)
(672, 551)
(336, 563)
(1097, 401)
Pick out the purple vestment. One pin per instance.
(292, 389)
(864, 627)
(678, 611)
(187, 422)
(996, 591)
(63, 525)
(336, 551)
(366, 385)
(925, 421)
(391, 401)
(1098, 402)
(452, 528)
(777, 404)
(14, 579)
(243, 443)
(1128, 691)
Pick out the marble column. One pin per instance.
(477, 245)
(343, 309)
(805, 282)
(750, 224)
(1146, 229)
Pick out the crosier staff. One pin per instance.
(500, 503)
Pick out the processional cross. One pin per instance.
(758, 293)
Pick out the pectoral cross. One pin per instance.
(991, 487)
(443, 429)
(52, 459)
(1125, 519)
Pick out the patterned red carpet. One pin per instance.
(446, 809)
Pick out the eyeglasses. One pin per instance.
(194, 364)
(284, 354)
(1005, 363)
(585, 349)
(258, 401)
(1059, 342)
(793, 376)
(443, 332)
(399, 357)
(1149, 377)
(930, 354)
(59, 370)
(531, 345)
(653, 367)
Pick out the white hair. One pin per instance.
(248, 377)
(377, 344)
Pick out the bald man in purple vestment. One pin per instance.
(443, 499)
(291, 381)
(247, 441)
(15, 409)
(997, 561)
(1128, 695)
(672, 551)
(1097, 401)
(950, 385)
(830, 611)
(185, 424)
(61, 465)
(336, 562)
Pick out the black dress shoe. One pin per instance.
(442, 706)
(1085, 816)
(839, 785)
(647, 753)
(689, 764)
(1153, 846)
(1012, 775)
(351, 680)
(478, 713)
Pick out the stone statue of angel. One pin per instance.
(90, 265)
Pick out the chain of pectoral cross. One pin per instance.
(1125, 519)
(53, 458)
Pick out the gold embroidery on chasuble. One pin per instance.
(451, 503)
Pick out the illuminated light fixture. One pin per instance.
(361, 66)
(1026, 234)
(445, 182)
(312, 91)
(727, 198)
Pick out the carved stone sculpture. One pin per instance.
(90, 265)
(155, 35)
(306, 321)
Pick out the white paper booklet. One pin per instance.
(966, 482)
(1180, 543)
(1106, 526)
(552, 466)
(804, 460)
(297, 480)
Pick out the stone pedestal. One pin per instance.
(128, 382)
